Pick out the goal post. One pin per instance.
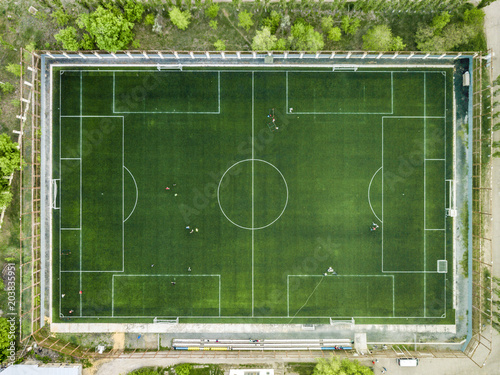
(351, 322)
(168, 321)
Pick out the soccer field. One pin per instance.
(252, 195)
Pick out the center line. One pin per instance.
(253, 212)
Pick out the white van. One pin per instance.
(408, 362)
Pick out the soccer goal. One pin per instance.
(344, 68)
(442, 266)
(168, 321)
(335, 322)
(54, 194)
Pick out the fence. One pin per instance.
(33, 296)
(479, 347)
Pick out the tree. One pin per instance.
(212, 11)
(67, 37)
(245, 19)
(281, 44)
(5, 338)
(10, 157)
(6, 87)
(179, 18)
(379, 38)
(334, 34)
(149, 19)
(14, 69)
(273, 21)
(304, 38)
(61, 17)
(213, 24)
(183, 369)
(327, 23)
(264, 40)
(397, 44)
(108, 28)
(220, 45)
(133, 11)
(350, 25)
(335, 366)
(440, 21)
(474, 17)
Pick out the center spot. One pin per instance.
(252, 194)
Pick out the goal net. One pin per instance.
(170, 321)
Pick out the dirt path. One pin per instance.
(119, 340)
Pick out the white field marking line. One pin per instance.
(162, 275)
(382, 243)
(435, 229)
(308, 298)
(286, 99)
(435, 159)
(71, 228)
(288, 296)
(241, 226)
(425, 195)
(209, 63)
(81, 183)
(383, 118)
(338, 276)
(248, 317)
(392, 93)
(91, 271)
(172, 112)
(123, 193)
(369, 200)
(136, 193)
(113, 296)
(253, 187)
(60, 199)
(71, 159)
(336, 113)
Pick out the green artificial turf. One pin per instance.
(271, 205)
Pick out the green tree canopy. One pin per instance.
(183, 369)
(10, 157)
(133, 11)
(335, 366)
(273, 21)
(440, 21)
(264, 40)
(6, 87)
(304, 38)
(220, 45)
(179, 18)
(326, 23)
(67, 37)
(350, 25)
(379, 38)
(14, 69)
(61, 17)
(474, 17)
(212, 11)
(108, 28)
(245, 20)
(4, 333)
(334, 34)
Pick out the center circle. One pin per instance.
(252, 194)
